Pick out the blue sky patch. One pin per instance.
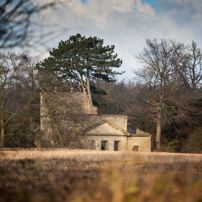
(153, 4)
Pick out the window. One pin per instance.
(103, 145)
(93, 145)
(116, 145)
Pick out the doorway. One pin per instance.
(103, 145)
(116, 145)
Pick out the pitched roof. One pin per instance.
(141, 134)
(109, 123)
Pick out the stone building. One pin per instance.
(104, 131)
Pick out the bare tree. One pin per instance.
(159, 62)
(17, 27)
(190, 73)
(14, 96)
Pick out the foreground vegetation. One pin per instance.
(79, 176)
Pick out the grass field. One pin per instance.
(103, 176)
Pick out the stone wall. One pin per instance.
(63, 105)
(75, 111)
(140, 141)
(143, 143)
(110, 142)
(77, 102)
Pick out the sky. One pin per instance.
(125, 23)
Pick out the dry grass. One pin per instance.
(161, 157)
(87, 176)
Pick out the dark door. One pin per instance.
(103, 145)
(116, 145)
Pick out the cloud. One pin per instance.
(185, 17)
(127, 24)
(100, 12)
(181, 10)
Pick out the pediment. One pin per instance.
(104, 129)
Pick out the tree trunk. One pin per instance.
(82, 83)
(2, 133)
(60, 138)
(158, 127)
(59, 134)
(88, 85)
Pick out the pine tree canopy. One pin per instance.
(80, 59)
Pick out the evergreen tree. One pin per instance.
(80, 59)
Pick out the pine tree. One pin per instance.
(80, 59)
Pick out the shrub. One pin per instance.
(194, 141)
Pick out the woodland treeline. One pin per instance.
(175, 89)
(164, 98)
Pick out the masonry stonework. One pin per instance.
(105, 131)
